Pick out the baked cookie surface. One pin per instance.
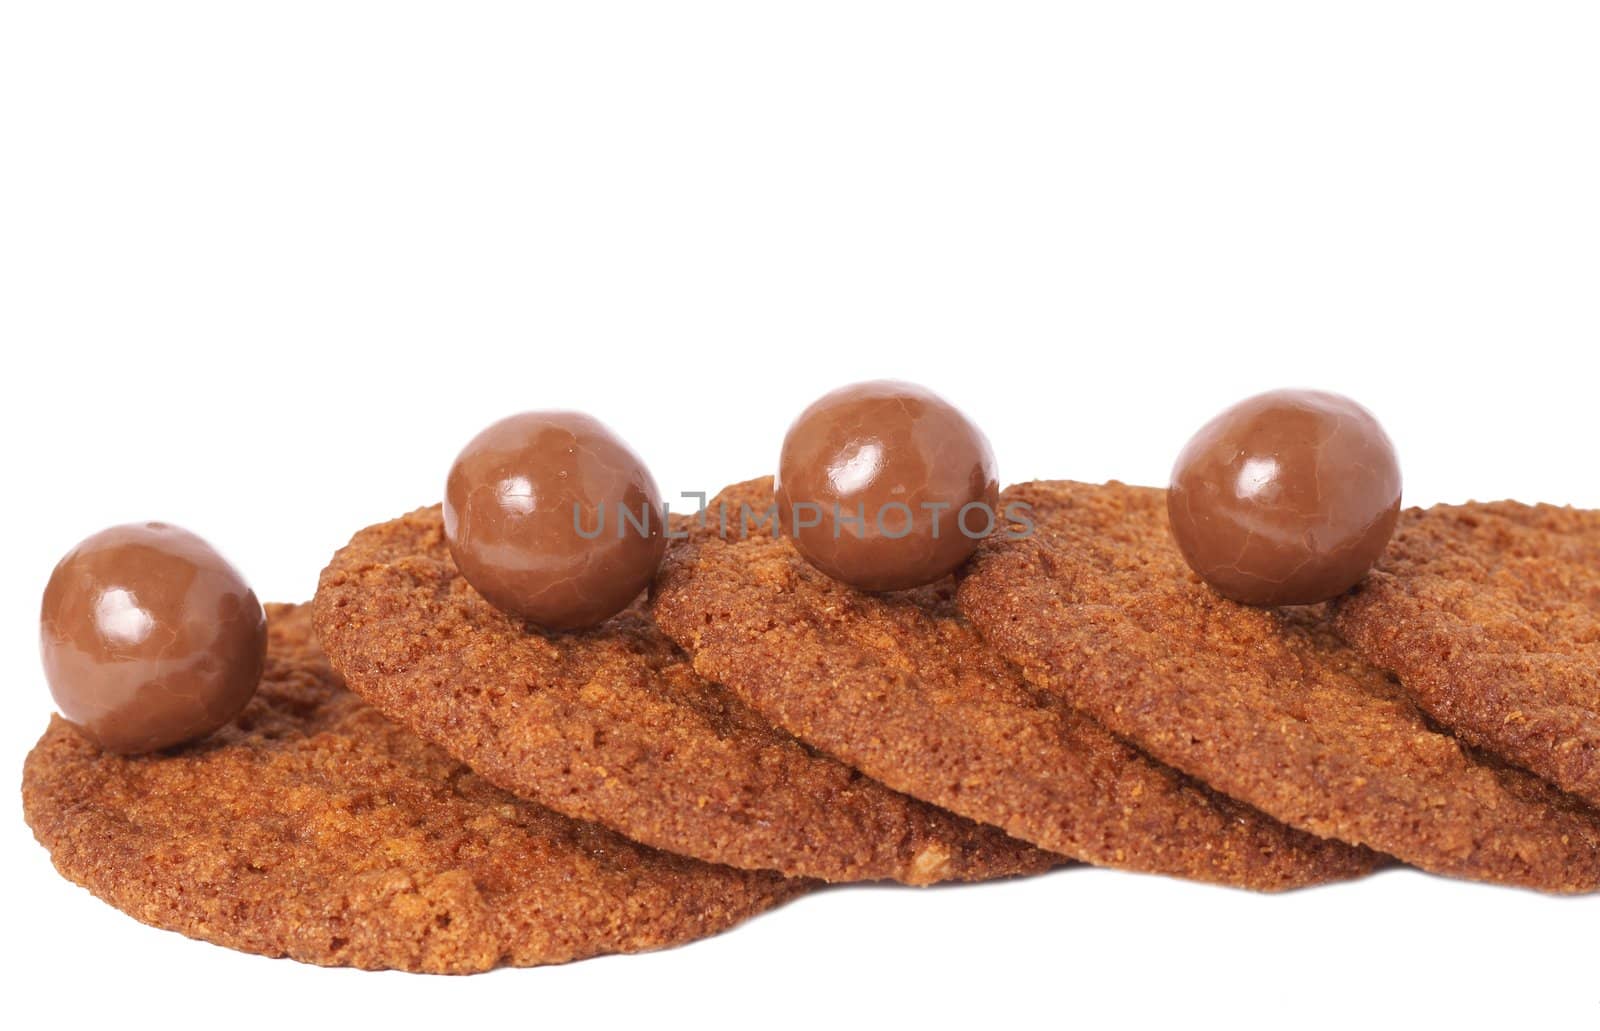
(1490, 616)
(1269, 707)
(613, 725)
(312, 827)
(901, 687)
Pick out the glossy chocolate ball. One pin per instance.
(1287, 498)
(885, 485)
(149, 638)
(554, 519)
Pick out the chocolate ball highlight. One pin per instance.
(553, 519)
(1287, 498)
(885, 485)
(149, 638)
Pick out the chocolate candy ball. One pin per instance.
(554, 519)
(1287, 498)
(149, 638)
(885, 485)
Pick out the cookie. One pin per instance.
(311, 827)
(1490, 617)
(1270, 707)
(900, 687)
(612, 725)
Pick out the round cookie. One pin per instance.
(311, 827)
(612, 725)
(900, 687)
(1269, 707)
(1490, 616)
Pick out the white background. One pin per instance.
(265, 267)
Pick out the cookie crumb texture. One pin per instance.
(902, 688)
(613, 725)
(1271, 708)
(1490, 616)
(313, 828)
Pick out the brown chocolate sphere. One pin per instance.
(149, 638)
(885, 485)
(1287, 498)
(554, 519)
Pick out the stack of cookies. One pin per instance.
(424, 781)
